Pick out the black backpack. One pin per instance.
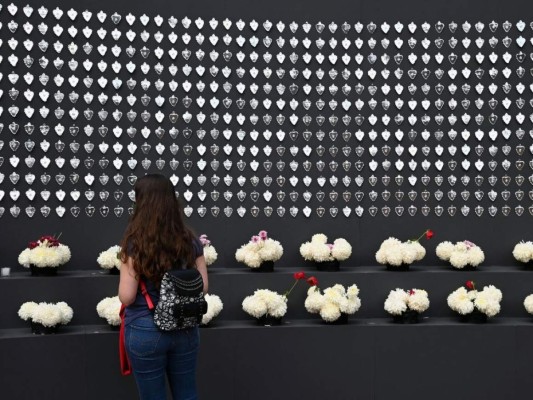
(181, 300)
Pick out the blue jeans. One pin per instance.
(154, 354)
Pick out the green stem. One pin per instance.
(287, 293)
(420, 237)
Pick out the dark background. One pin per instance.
(88, 236)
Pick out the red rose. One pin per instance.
(470, 285)
(429, 234)
(299, 275)
(32, 245)
(312, 281)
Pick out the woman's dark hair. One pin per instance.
(156, 237)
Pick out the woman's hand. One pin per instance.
(127, 288)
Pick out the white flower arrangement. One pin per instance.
(46, 314)
(45, 252)
(109, 309)
(335, 301)
(319, 250)
(265, 302)
(110, 258)
(260, 249)
(523, 251)
(214, 307)
(528, 304)
(210, 253)
(396, 253)
(465, 299)
(460, 254)
(399, 301)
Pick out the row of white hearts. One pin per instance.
(267, 25)
(160, 148)
(201, 164)
(103, 195)
(254, 41)
(280, 211)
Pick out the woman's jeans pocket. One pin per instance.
(142, 340)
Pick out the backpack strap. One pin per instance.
(146, 295)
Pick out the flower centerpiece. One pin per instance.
(463, 255)
(474, 305)
(398, 255)
(109, 309)
(523, 252)
(406, 305)
(326, 256)
(335, 304)
(528, 304)
(260, 252)
(110, 260)
(210, 253)
(45, 317)
(269, 307)
(214, 307)
(44, 256)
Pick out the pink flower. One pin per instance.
(330, 246)
(255, 239)
(469, 244)
(263, 235)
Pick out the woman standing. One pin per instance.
(156, 241)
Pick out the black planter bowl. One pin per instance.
(468, 268)
(114, 271)
(40, 329)
(475, 317)
(266, 266)
(408, 317)
(268, 320)
(330, 266)
(403, 267)
(44, 271)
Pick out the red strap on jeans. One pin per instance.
(125, 367)
(146, 295)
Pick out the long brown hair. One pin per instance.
(156, 237)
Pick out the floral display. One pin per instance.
(396, 253)
(214, 307)
(109, 309)
(46, 314)
(333, 302)
(467, 299)
(45, 252)
(110, 258)
(528, 304)
(258, 250)
(461, 254)
(319, 250)
(400, 301)
(523, 251)
(210, 253)
(267, 303)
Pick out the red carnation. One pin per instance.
(32, 245)
(429, 234)
(411, 292)
(299, 275)
(470, 285)
(312, 281)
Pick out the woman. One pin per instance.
(157, 240)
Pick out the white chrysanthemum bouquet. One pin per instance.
(322, 252)
(398, 255)
(109, 309)
(267, 306)
(466, 300)
(214, 307)
(336, 302)
(46, 252)
(523, 252)
(260, 250)
(405, 305)
(210, 253)
(46, 317)
(110, 259)
(528, 304)
(461, 255)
